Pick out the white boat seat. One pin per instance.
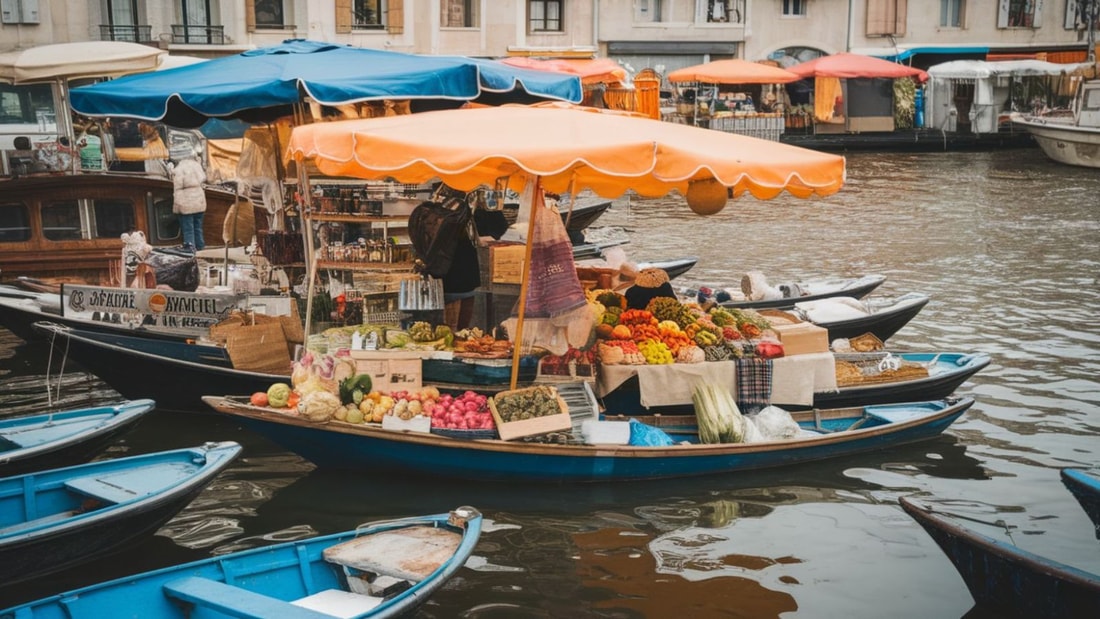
(234, 601)
(339, 603)
(411, 553)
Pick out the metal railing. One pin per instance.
(130, 32)
(208, 35)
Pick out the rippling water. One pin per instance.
(1005, 244)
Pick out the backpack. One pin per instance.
(435, 230)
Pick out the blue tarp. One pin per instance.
(259, 82)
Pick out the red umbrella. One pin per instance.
(845, 65)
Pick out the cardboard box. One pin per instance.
(534, 426)
(389, 371)
(802, 338)
(506, 263)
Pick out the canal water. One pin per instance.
(1006, 245)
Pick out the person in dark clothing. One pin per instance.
(464, 276)
(650, 284)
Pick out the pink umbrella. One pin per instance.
(845, 65)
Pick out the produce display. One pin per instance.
(529, 403)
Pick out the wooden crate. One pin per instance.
(531, 427)
(506, 263)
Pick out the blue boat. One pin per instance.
(55, 519)
(1006, 580)
(1086, 489)
(377, 571)
(61, 438)
(825, 434)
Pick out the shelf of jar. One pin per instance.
(356, 218)
(373, 266)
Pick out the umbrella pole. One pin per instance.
(524, 284)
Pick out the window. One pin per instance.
(951, 13)
(122, 23)
(112, 218)
(367, 14)
(198, 27)
(544, 15)
(794, 8)
(458, 13)
(647, 10)
(269, 14)
(61, 221)
(27, 104)
(1078, 15)
(724, 11)
(1017, 14)
(166, 225)
(19, 11)
(15, 226)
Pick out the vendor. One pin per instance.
(650, 284)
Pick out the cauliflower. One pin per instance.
(319, 405)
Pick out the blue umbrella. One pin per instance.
(260, 84)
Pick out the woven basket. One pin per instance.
(850, 373)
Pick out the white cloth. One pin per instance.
(796, 378)
(189, 196)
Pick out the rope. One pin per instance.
(54, 328)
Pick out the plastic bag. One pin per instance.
(175, 271)
(774, 424)
(642, 435)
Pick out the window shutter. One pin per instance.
(1002, 14)
(343, 16)
(901, 16)
(1071, 15)
(395, 17)
(250, 15)
(878, 16)
(1037, 15)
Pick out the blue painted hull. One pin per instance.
(1006, 580)
(50, 440)
(280, 573)
(347, 446)
(54, 519)
(1086, 489)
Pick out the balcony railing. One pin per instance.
(131, 33)
(203, 35)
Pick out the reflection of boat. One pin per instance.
(379, 570)
(813, 290)
(53, 519)
(1074, 140)
(61, 438)
(827, 433)
(1086, 489)
(1008, 580)
(880, 317)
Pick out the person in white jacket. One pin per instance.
(189, 201)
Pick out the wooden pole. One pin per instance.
(525, 278)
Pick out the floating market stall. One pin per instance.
(732, 95)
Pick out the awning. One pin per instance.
(902, 52)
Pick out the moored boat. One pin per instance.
(800, 292)
(51, 520)
(62, 438)
(377, 571)
(825, 434)
(1074, 139)
(1086, 489)
(1008, 580)
(879, 317)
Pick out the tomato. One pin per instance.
(292, 401)
(259, 399)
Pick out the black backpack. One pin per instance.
(436, 229)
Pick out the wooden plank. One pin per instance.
(235, 601)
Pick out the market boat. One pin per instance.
(879, 317)
(858, 287)
(1073, 140)
(62, 438)
(54, 519)
(1007, 580)
(825, 434)
(377, 571)
(18, 315)
(1086, 489)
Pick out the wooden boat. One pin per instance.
(885, 317)
(377, 571)
(1074, 139)
(62, 438)
(1086, 489)
(827, 433)
(136, 366)
(50, 243)
(1006, 580)
(858, 287)
(54, 519)
(18, 315)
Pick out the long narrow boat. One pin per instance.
(52, 520)
(1006, 580)
(1086, 489)
(813, 290)
(884, 318)
(18, 315)
(62, 438)
(825, 434)
(377, 571)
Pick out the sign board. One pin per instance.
(154, 307)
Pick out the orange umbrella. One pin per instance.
(733, 71)
(565, 149)
(590, 70)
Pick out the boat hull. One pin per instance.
(1066, 143)
(1086, 489)
(19, 316)
(348, 446)
(857, 288)
(1009, 581)
(882, 325)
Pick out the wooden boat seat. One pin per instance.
(411, 553)
(234, 601)
(339, 603)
